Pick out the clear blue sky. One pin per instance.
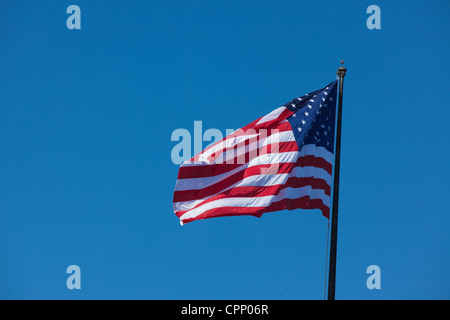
(86, 118)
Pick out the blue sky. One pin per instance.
(86, 118)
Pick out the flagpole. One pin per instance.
(334, 215)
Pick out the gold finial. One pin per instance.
(342, 70)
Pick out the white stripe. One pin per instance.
(271, 116)
(229, 141)
(200, 183)
(285, 136)
(273, 158)
(314, 172)
(287, 193)
(261, 139)
(262, 181)
(236, 156)
(254, 181)
(320, 152)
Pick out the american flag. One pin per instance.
(283, 160)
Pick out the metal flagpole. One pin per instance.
(334, 215)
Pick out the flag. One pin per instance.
(283, 160)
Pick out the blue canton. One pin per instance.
(314, 119)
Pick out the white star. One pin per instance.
(299, 129)
(325, 93)
(309, 106)
(294, 115)
(312, 100)
(325, 133)
(322, 126)
(331, 99)
(299, 99)
(303, 121)
(293, 105)
(306, 114)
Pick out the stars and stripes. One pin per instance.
(283, 160)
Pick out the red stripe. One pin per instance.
(270, 126)
(289, 204)
(312, 161)
(253, 192)
(187, 195)
(259, 140)
(195, 194)
(210, 170)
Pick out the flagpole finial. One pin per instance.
(341, 71)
